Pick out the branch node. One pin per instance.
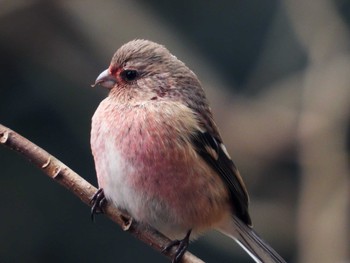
(47, 163)
(127, 222)
(4, 136)
(56, 172)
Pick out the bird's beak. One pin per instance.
(105, 79)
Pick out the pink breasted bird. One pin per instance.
(159, 155)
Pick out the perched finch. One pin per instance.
(159, 155)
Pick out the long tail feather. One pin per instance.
(252, 243)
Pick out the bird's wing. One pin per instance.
(213, 151)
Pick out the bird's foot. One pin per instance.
(98, 201)
(182, 246)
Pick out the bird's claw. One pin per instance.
(182, 246)
(98, 201)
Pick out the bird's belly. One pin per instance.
(169, 192)
(157, 176)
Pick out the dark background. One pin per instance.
(278, 78)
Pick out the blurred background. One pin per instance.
(277, 74)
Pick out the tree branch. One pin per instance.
(62, 174)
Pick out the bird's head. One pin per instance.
(144, 70)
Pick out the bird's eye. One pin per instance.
(129, 75)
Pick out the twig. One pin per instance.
(62, 174)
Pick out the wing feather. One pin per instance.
(214, 153)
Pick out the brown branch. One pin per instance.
(62, 174)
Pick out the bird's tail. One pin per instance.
(250, 241)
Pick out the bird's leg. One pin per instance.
(98, 200)
(182, 246)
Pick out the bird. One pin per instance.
(159, 155)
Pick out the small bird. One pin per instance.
(159, 155)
